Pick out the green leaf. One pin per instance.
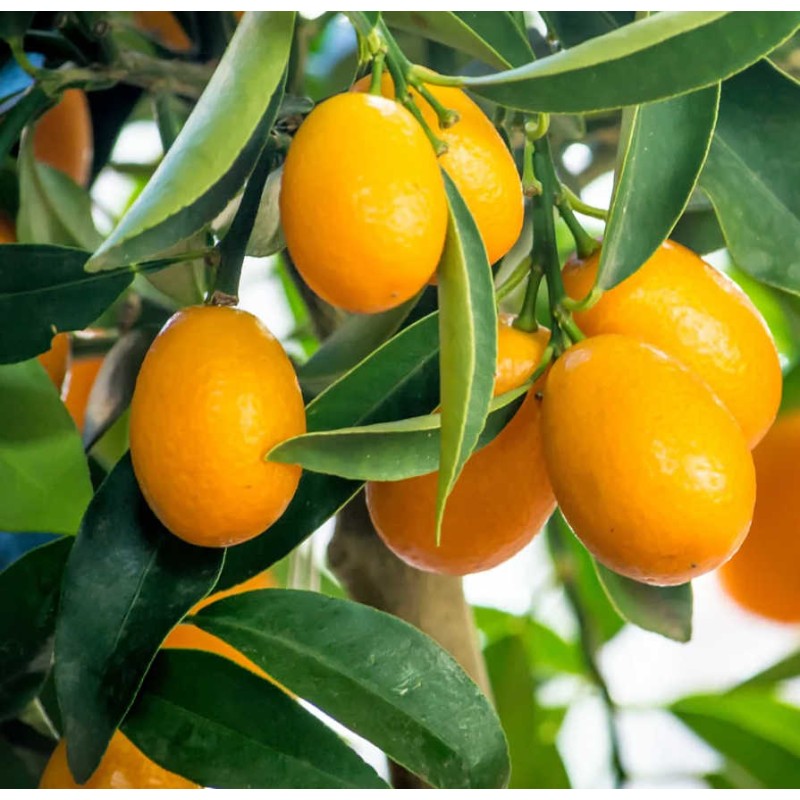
(29, 590)
(571, 29)
(14, 773)
(216, 149)
(374, 673)
(535, 762)
(14, 23)
(53, 209)
(222, 727)
(491, 36)
(44, 289)
(388, 451)
(666, 610)
(349, 344)
(784, 670)
(128, 582)
(751, 729)
(751, 181)
(699, 230)
(399, 379)
(468, 341)
(662, 56)
(43, 470)
(666, 146)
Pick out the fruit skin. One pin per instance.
(501, 499)
(189, 637)
(649, 468)
(363, 205)
(764, 576)
(82, 376)
(123, 766)
(56, 360)
(477, 160)
(215, 394)
(691, 311)
(163, 26)
(63, 138)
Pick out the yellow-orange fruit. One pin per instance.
(56, 360)
(502, 497)
(82, 376)
(649, 468)
(764, 576)
(215, 394)
(362, 203)
(63, 138)
(123, 766)
(477, 160)
(691, 311)
(163, 26)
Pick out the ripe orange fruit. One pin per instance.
(214, 395)
(56, 359)
(62, 137)
(764, 576)
(362, 203)
(689, 310)
(8, 232)
(123, 766)
(502, 497)
(164, 27)
(82, 376)
(477, 160)
(649, 468)
(188, 637)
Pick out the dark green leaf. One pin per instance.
(572, 28)
(128, 581)
(388, 451)
(14, 774)
(784, 670)
(666, 610)
(44, 288)
(53, 209)
(751, 181)
(350, 344)
(468, 341)
(491, 36)
(29, 590)
(219, 725)
(535, 762)
(13, 24)
(43, 471)
(666, 146)
(751, 729)
(375, 674)
(216, 149)
(662, 56)
(698, 229)
(399, 379)
(112, 389)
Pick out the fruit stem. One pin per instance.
(530, 186)
(447, 116)
(585, 244)
(576, 204)
(526, 319)
(233, 246)
(377, 74)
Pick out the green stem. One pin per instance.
(578, 205)
(377, 74)
(526, 319)
(536, 130)
(530, 186)
(584, 244)
(233, 246)
(168, 123)
(447, 116)
(518, 275)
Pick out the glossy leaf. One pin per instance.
(399, 379)
(751, 729)
(223, 727)
(535, 762)
(44, 289)
(374, 673)
(29, 590)
(388, 451)
(665, 150)
(43, 470)
(491, 36)
(751, 181)
(128, 582)
(349, 344)
(468, 341)
(572, 29)
(784, 670)
(53, 209)
(112, 389)
(216, 149)
(666, 610)
(662, 56)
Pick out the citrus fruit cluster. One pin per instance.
(363, 204)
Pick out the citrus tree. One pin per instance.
(469, 367)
